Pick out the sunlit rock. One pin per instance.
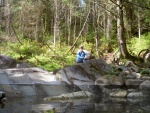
(136, 95)
(83, 75)
(137, 75)
(74, 95)
(118, 93)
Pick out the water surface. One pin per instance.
(97, 105)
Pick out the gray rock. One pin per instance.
(136, 95)
(118, 93)
(106, 91)
(132, 66)
(137, 75)
(31, 82)
(145, 78)
(129, 76)
(74, 95)
(23, 65)
(116, 80)
(133, 83)
(132, 90)
(7, 62)
(102, 81)
(145, 86)
(146, 108)
(85, 74)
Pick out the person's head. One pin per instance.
(81, 48)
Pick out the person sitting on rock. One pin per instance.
(81, 56)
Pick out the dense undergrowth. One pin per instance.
(50, 58)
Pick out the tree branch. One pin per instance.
(80, 32)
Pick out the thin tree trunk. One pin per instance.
(120, 30)
(56, 23)
(105, 22)
(37, 29)
(109, 24)
(1, 12)
(7, 15)
(75, 23)
(22, 23)
(139, 24)
(69, 25)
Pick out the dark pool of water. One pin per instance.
(97, 105)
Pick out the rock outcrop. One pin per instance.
(94, 76)
(7, 62)
(83, 75)
(128, 83)
(39, 82)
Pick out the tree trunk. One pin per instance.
(69, 25)
(139, 24)
(75, 24)
(120, 31)
(7, 15)
(37, 27)
(21, 23)
(56, 22)
(1, 12)
(109, 25)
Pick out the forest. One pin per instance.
(47, 33)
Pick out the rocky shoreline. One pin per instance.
(129, 83)
(94, 77)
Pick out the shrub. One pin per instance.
(135, 45)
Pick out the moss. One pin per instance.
(145, 72)
(49, 111)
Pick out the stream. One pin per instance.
(96, 105)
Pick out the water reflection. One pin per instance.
(97, 105)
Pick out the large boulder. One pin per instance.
(83, 75)
(145, 86)
(31, 82)
(7, 62)
(111, 82)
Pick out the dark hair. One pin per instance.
(81, 47)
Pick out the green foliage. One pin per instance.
(145, 71)
(108, 45)
(49, 111)
(135, 45)
(37, 54)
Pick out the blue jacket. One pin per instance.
(80, 56)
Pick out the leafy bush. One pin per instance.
(135, 44)
(44, 56)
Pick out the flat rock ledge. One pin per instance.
(74, 95)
